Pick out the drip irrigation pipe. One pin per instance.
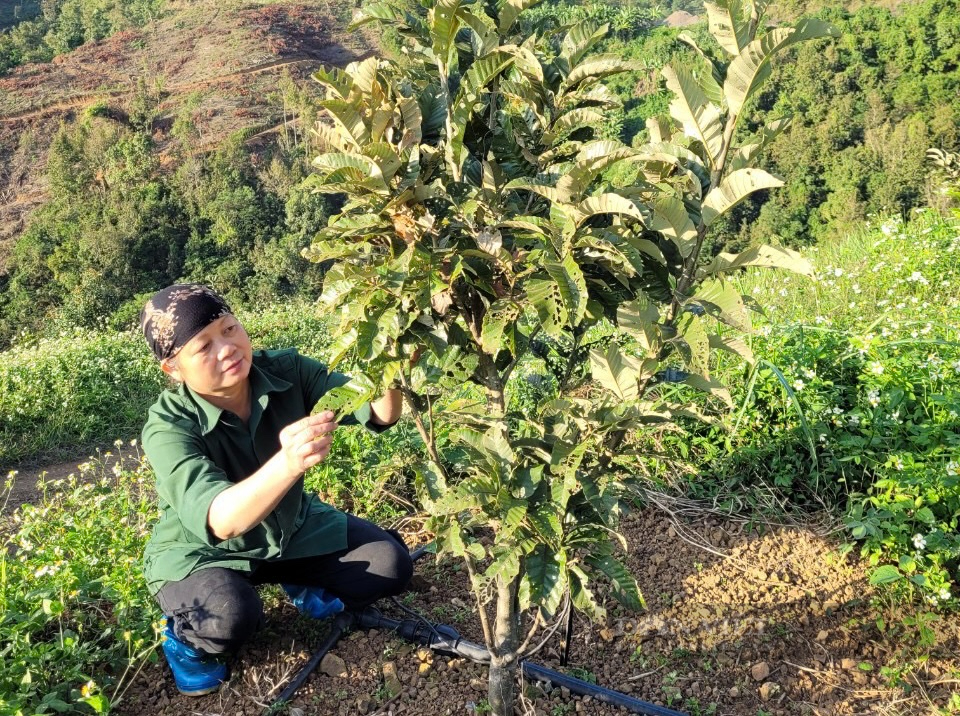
(447, 640)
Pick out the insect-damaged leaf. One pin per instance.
(348, 398)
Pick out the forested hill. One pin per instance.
(146, 141)
(147, 154)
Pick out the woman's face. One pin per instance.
(214, 361)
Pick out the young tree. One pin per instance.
(480, 224)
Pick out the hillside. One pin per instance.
(224, 57)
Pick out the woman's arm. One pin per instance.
(243, 506)
(387, 409)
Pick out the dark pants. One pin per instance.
(216, 610)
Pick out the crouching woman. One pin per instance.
(229, 446)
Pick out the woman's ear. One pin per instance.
(169, 367)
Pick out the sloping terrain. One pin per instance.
(226, 57)
(739, 621)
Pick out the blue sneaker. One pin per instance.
(315, 602)
(194, 672)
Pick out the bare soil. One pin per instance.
(741, 617)
(227, 55)
(738, 620)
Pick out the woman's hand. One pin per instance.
(307, 442)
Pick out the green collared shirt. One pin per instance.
(198, 450)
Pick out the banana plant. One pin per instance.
(479, 226)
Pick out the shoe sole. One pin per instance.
(200, 692)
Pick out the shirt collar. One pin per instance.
(261, 384)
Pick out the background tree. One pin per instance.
(480, 224)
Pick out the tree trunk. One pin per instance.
(504, 657)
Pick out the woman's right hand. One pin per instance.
(307, 442)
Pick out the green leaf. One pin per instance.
(547, 191)
(545, 571)
(693, 333)
(98, 702)
(609, 204)
(887, 574)
(760, 257)
(583, 599)
(483, 27)
(616, 372)
(578, 40)
(347, 118)
(444, 25)
(502, 313)
(625, 587)
(723, 301)
(505, 567)
(671, 219)
(639, 318)
(734, 188)
(596, 67)
(571, 121)
(510, 10)
(347, 398)
(431, 476)
(710, 82)
(699, 116)
(733, 345)
(547, 299)
(573, 287)
(728, 25)
(713, 387)
(751, 66)
(335, 80)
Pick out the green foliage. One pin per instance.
(80, 388)
(866, 110)
(477, 217)
(112, 229)
(66, 24)
(83, 387)
(861, 413)
(67, 558)
(367, 474)
(117, 228)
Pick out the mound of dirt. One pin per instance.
(737, 621)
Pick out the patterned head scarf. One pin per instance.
(176, 314)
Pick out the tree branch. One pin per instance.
(484, 618)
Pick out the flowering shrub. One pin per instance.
(858, 407)
(76, 620)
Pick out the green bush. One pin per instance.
(855, 399)
(77, 389)
(76, 619)
(85, 387)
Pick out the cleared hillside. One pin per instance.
(224, 58)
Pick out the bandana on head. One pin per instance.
(176, 314)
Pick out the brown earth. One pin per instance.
(740, 621)
(227, 55)
(741, 617)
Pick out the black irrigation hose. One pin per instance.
(446, 639)
(341, 624)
